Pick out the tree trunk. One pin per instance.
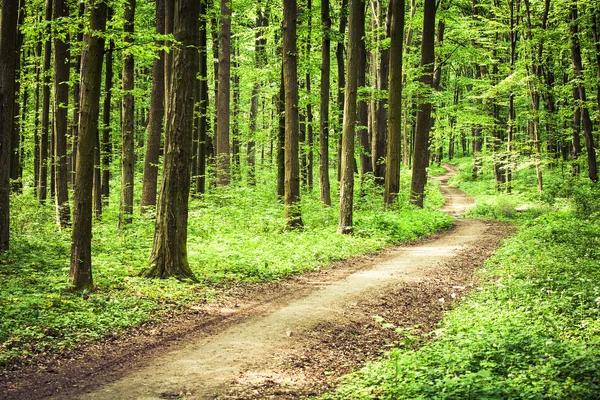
(223, 100)
(363, 105)
(290, 77)
(43, 175)
(235, 127)
(61, 100)
(585, 114)
(106, 129)
(76, 100)
(15, 142)
(155, 118)
(421, 149)
(127, 126)
(596, 39)
(339, 54)
(8, 62)
(169, 20)
(81, 256)
(309, 114)
(350, 108)
(324, 105)
(202, 103)
(281, 138)
(392, 174)
(380, 129)
(169, 252)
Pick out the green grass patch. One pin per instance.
(236, 235)
(531, 331)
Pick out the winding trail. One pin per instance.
(248, 351)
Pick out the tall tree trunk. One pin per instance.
(281, 138)
(421, 149)
(309, 114)
(224, 96)
(155, 118)
(339, 54)
(363, 105)
(106, 128)
(350, 108)
(76, 99)
(8, 63)
(202, 102)
(169, 252)
(15, 142)
(380, 129)
(81, 248)
(290, 77)
(235, 127)
(169, 20)
(324, 105)
(127, 127)
(43, 175)
(61, 100)
(585, 113)
(596, 39)
(392, 174)
(36, 133)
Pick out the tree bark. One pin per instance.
(8, 62)
(169, 252)
(324, 105)
(16, 169)
(581, 104)
(76, 100)
(61, 100)
(392, 173)
(127, 127)
(281, 138)
(380, 129)
(290, 76)
(81, 256)
(363, 105)
(106, 128)
(155, 119)
(421, 149)
(350, 108)
(43, 175)
(202, 103)
(309, 114)
(339, 54)
(224, 95)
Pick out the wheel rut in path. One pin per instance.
(298, 344)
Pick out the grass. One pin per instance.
(531, 331)
(236, 236)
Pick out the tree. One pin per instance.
(392, 172)
(324, 106)
(127, 130)
(169, 251)
(8, 62)
(43, 174)
(421, 147)
(106, 129)
(348, 129)
(224, 96)
(292, 127)
(61, 99)
(202, 122)
(81, 247)
(155, 119)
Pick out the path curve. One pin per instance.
(204, 369)
(209, 364)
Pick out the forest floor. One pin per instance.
(289, 339)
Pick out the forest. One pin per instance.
(168, 166)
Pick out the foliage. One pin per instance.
(236, 235)
(531, 331)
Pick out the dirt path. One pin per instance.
(298, 339)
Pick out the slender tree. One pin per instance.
(61, 99)
(76, 100)
(392, 172)
(169, 252)
(339, 55)
(81, 251)
(202, 122)
(324, 105)
(292, 127)
(309, 113)
(363, 105)
(350, 108)
(378, 143)
(106, 128)
(8, 63)
(127, 127)
(421, 149)
(224, 95)
(155, 119)
(16, 152)
(43, 174)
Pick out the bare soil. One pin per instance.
(285, 340)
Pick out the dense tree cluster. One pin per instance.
(517, 80)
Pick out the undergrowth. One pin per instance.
(531, 331)
(236, 235)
